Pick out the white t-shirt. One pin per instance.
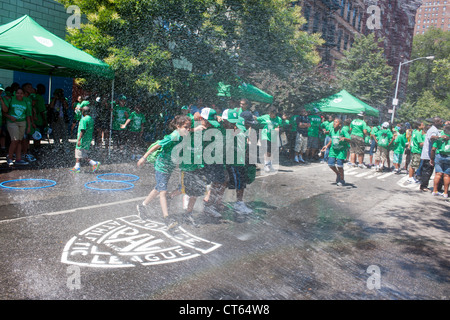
(426, 150)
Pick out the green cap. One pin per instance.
(211, 116)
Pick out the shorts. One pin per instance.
(301, 143)
(373, 147)
(237, 177)
(16, 130)
(313, 143)
(398, 157)
(442, 164)
(193, 183)
(382, 154)
(357, 145)
(214, 173)
(162, 180)
(81, 153)
(415, 161)
(335, 162)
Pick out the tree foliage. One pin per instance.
(222, 39)
(364, 71)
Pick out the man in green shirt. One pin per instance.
(313, 144)
(120, 114)
(270, 123)
(384, 139)
(326, 126)
(416, 144)
(358, 129)
(84, 140)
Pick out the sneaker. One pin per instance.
(445, 195)
(362, 166)
(435, 194)
(209, 210)
(266, 168)
(296, 159)
(170, 223)
(142, 211)
(350, 164)
(75, 170)
(29, 157)
(242, 208)
(96, 166)
(10, 162)
(300, 158)
(188, 218)
(341, 183)
(21, 162)
(410, 180)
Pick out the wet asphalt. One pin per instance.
(307, 239)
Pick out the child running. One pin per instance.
(84, 140)
(338, 145)
(164, 167)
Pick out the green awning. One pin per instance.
(342, 102)
(245, 90)
(28, 47)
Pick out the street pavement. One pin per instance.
(307, 239)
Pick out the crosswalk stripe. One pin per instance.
(386, 175)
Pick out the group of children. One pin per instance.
(201, 177)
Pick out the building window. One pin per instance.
(342, 8)
(339, 40)
(346, 42)
(316, 22)
(349, 10)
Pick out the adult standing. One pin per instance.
(313, 144)
(60, 117)
(18, 120)
(271, 123)
(301, 140)
(358, 129)
(121, 112)
(428, 165)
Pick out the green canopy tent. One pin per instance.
(244, 90)
(28, 47)
(342, 102)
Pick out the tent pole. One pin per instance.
(111, 118)
(49, 89)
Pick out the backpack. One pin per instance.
(152, 156)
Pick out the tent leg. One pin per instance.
(49, 89)
(111, 118)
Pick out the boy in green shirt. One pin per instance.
(84, 140)
(416, 144)
(398, 146)
(383, 138)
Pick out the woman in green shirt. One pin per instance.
(18, 120)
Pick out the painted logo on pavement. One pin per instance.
(130, 241)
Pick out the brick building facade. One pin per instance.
(340, 21)
(433, 14)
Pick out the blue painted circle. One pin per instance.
(132, 176)
(52, 183)
(129, 185)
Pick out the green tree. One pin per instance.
(222, 39)
(427, 106)
(364, 71)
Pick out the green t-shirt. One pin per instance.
(164, 162)
(338, 149)
(384, 136)
(40, 108)
(293, 122)
(119, 116)
(417, 137)
(269, 124)
(442, 147)
(315, 122)
(19, 109)
(399, 144)
(86, 124)
(77, 111)
(194, 151)
(357, 127)
(325, 126)
(137, 120)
